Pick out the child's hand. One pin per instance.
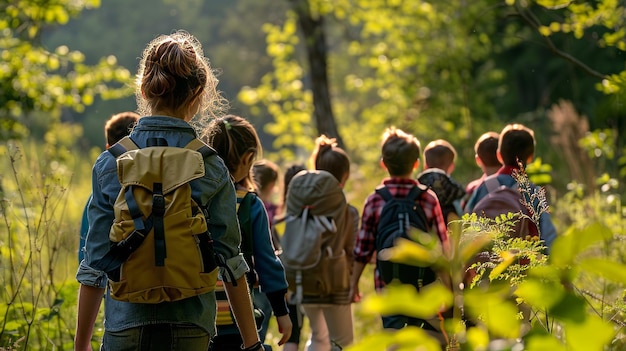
(355, 294)
(284, 327)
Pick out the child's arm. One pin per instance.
(89, 299)
(269, 269)
(241, 305)
(357, 270)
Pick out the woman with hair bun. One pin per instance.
(174, 84)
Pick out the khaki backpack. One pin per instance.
(161, 249)
(316, 212)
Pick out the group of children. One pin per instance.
(174, 84)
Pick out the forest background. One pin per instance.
(296, 69)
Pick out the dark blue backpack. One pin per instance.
(398, 215)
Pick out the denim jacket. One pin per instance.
(214, 191)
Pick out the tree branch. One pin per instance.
(534, 22)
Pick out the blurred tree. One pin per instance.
(37, 83)
(440, 69)
(229, 30)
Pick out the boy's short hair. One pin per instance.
(439, 154)
(517, 143)
(400, 150)
(119, 126)
(486, 148)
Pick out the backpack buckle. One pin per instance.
(158, 205)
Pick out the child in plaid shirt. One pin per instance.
(400, 157)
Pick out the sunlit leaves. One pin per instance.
(394, 300)
(406, 339)
(540, 293)
(573, 242)
(495, 309)
(36, 79)
(554, 4)
(578, 334)
(606, 269)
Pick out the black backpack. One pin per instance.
(398, 215)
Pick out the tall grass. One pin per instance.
(38, 242)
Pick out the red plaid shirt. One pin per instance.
(399, 187)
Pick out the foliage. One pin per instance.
(38, 238)
(553, 304)
(443, 69)
(37, 82)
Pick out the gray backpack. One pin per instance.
(316, 206)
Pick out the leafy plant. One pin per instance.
(548, 303)
(39, 292)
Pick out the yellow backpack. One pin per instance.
(161, 249)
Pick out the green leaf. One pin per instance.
(393, 300)
(507, 259)
(610, 270)
(542, 343)
(592, 334)
(574, 241)
(570, 308)
(405, 339)
(496, 310)
(554, 4)
(471, 247)
(477, 338)
(412, 253)
(540, 293)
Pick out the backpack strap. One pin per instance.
(414, 194)
(245, 223)
(125, 144)
(201, 147)
(492, 183)
(384, 193)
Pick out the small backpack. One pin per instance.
(397, 217)
(316, 206)
(502, 199)
(161, 249)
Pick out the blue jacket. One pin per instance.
(546, 227)
(215, 192)
(268, 267)
(84, 227)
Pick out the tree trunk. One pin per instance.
(315, 41)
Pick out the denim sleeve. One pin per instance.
(477, 195)
(84, 226)
(548, 231)
(268, 266)
(105, 188)
(220, 200)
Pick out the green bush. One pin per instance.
(38, 242)
(574, 300)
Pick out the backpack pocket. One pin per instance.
(335, 270)
(188, 245)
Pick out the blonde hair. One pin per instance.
(173, 75)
